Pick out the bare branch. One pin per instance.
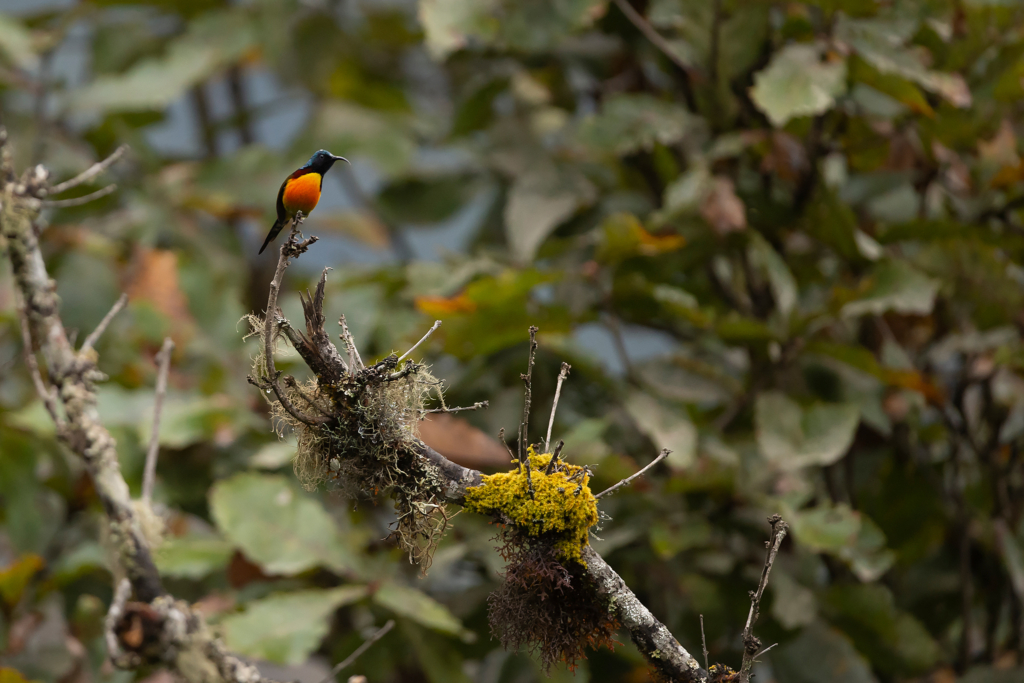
(650, 33)
(524, 425)
(476, 406)
(751, 644)
(562, 375)
(354, 361)
(661, 456)
(117, 656)
(163, 358)
(437, 324)
(94, 337)
(290, 249)
(703, 642)
(359, 650)
(47, 395)
(89, 173)
(554, 457)
(79, 201)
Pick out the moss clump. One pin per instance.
(560, 508)
(547, 603)
(364, 447)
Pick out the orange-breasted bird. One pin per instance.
(301, 191)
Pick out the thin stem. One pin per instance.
(354, 361)
(661, 456)
(89, 173)
(476, 406)
(95, 335)
(149, 474)
(359, 650)
(659, 42)
(47, 395)
(751, 644)
(524, 425)
(79, 201)
(437, 324)
(703, 642)
(562, 375)
(554, 457)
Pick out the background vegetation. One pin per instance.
(784, 239)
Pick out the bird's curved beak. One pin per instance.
(337, 158)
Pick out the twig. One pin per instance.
(511, 455)
(114, 614)
(562, 375)
(290, 248)
(524, 425)
(89, 173)
(703, 641)
(764, 650)
(292, 383)
(95, 335)
(476, 406)
(751, 644)
(554, 457)
(163, 357)
(651, 34)
(359, 650)
(661, 456)
(437, 324)
(354, 361)
(48, 396)
(79, 201)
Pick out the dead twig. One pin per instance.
(650, 33)
(48, 396)
(476, 406)
(661, 456)
(79, 201)
(359, 650)
(354, 361)
(703, 642)
(163, 358)
(562, 375)
(95, 335)
(290, 249)
(527, 378)
(437, 324)
(89, 173)
(554, 457)
(751, 644)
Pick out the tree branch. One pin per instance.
(625, 482)
(179, 638)
(751, 644)
(89, 173)
(163, 358)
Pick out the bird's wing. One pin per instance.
(282, 213)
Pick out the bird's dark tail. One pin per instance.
(274, 232)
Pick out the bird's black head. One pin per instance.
(322, 161)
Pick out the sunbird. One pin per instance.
(301, 191)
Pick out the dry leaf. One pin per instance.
(153, 277)
(722, 208)
(462, 443)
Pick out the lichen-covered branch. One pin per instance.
(154, 628)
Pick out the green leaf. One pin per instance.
(793, 605)
(798, 83)
(825, 528)
(417, 606)
(881, 43)
(628, 123)
(895, 286)
(666, 427)
(793, 437)
(539, 201)
(820, 653)
(16, 43)
(287, 627)
(192, 557)
(894, 640)
(276, 526)
(212, 42)
(782, 282)
(449, 25)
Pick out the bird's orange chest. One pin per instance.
(302, 193)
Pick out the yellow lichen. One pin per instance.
(561, 507)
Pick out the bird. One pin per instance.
(300, 191)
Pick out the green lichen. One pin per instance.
(560, 508)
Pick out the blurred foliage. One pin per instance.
(797, 262)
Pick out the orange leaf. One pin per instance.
(439, 306)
